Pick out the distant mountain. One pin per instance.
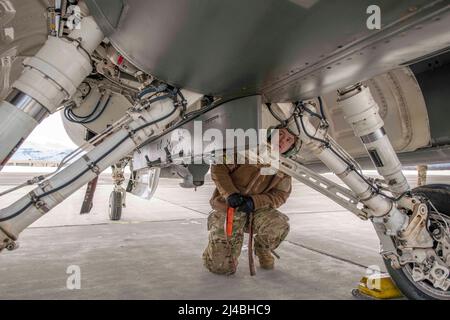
(32, 153)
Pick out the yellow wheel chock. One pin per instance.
(377, 286)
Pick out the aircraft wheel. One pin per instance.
(439, 195)
(115, 205)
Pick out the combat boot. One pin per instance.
(266, 259)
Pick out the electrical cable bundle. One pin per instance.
(98, 110)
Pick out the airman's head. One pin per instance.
(286, 140)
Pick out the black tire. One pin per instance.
(115, 205)
(439, 195)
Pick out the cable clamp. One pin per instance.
(38, 203)
(370, 196)
(345, 173)
(91, 165)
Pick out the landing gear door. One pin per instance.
(144, 182)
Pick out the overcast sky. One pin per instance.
(50, 134)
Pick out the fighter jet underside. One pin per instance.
(134, 78)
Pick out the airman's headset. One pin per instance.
(296, 146)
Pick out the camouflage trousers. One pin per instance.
(270, 228)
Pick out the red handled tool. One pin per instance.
(230, 217)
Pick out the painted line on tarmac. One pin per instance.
(179, 205)
(327, 254)
(113, 223)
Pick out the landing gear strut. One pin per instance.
(145, 120)
(412, 225)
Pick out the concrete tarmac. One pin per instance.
(155, 251)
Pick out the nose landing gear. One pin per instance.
(118, 195)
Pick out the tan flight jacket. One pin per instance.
(267, 191)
